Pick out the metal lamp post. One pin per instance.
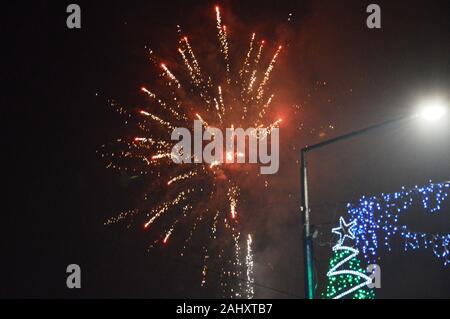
(432, 109)
(305, 222)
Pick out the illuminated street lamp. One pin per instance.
(433, 110)
(430, 110)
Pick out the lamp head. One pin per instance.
(432, 109)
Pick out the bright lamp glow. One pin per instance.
(433, 110)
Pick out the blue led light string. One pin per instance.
(377, 220)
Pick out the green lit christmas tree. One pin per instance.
(346, 277)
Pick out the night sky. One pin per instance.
(58, 193)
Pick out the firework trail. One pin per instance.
(249, 265)
(197, 194)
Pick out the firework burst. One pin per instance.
(198, 194)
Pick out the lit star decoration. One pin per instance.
(377, 220)
(344, 230)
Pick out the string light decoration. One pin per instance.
(377, 220)
(350, 282)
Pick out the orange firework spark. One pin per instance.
(238, 99)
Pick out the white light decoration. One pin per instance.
(344, 230)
